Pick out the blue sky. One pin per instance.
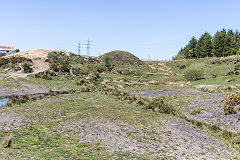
(155, 28)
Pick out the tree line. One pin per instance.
(223, 43)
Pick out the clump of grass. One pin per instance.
(159, 105)
(197, 111)
(193, 75)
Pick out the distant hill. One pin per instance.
(121, 58)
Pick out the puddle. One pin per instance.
(3, 101)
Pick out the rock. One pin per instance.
(96, 76)
(237, 110)
(141, 80)
(214, 76)
(229, 73)
(237, 67)
(236, 73)
(230, 80)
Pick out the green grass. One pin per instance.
(38, 137)
(218, 81)
(205, 65)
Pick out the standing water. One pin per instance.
(3, 101)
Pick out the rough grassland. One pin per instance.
(99, 126)
(94, 126)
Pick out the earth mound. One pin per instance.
(34, 54)
(121, 58)
(35, 59)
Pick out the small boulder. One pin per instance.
(95, 76)
(230, 80)
(229, 73)
(237, 67)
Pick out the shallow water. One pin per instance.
(3, 101)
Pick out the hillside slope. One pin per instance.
(121, 58)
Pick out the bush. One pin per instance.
(59, 62)
(193, 75)
(4, 61)
(16, 99)
(14, 61)
(231, 103)
(27, 68)
(95, 68)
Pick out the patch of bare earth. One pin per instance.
(27, 89)
(202, 107)
(163, 67)
(39, 63)
(38, 58)
(9, 121)
(164, 138)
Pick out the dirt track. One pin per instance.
(26, 90)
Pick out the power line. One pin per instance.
(149, 57)
(79, 48)
(88, 47)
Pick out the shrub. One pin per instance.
(59, 62)
(19, 99)
(193, 75)
(94, 68)
(4, 61)
(14, 60)
(107, 59)
(231, 102)
(27, 68)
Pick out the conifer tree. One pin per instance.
(223, 43)
(219, 43)
(206, 46)
(191, 50)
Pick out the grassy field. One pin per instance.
(39, 136)
(56, 127)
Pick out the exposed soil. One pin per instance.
(27, 89)
(9, 121)
(210, 104)
(38, 58)
(163, 139)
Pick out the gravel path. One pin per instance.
(211, 105)
(27, 89)
(163, 139)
